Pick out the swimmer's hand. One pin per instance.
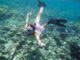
(42, 44)
(29, 14)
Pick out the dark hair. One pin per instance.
(33, 27)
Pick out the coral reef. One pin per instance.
(3, 12)
(75, 50)
(6, 13)
(60, 45)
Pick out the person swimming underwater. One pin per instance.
(35, 30)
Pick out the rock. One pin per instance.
(29, 42)
(60, 59)
(33, 48)
(9, 33)
(44, 52)
(3, 58)
(64, 43)
(51, 48)
(0, 53)
(13, 29)
(49, 51)
(3, 41)
(59, 51)
(19, 33)
(53, 53)
(50, 59)
(3, 12)
(68, 57)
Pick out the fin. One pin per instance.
(60, 24)
(52, 21)
(56, 22)
(41, 4)
(61, 20)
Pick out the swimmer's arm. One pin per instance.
(38, 39)
(28, 17)
(27, 20)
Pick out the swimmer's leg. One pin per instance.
(37, 20)
(45, 25)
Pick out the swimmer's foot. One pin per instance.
(41, 4)
(42, 44)
(29, 14)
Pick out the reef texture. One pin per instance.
(14, 45)
(6, 13)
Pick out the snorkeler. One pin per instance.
(35, 30)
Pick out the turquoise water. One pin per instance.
(14, 44)
(69, 8)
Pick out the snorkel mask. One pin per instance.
(29, 31)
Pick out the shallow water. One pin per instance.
(61, 45)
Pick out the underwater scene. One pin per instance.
(60, 40)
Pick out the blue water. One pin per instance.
(64, 5)
(71, 9)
